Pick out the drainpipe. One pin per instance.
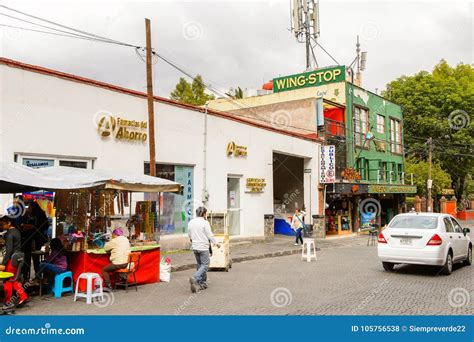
(205, 195)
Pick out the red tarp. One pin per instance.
(148, 271)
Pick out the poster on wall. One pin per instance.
(184, 206)
(327, 167)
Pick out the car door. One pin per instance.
(462, 239)
(452, 237)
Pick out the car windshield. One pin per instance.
(415, 222)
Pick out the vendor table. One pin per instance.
(93, 260)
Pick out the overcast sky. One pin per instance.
(241, 42)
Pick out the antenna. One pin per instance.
(361, 60)
(305, 25)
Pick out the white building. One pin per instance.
(52, 118)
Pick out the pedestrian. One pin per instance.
(34, 226)
(12, 246)
(200, 234)
(119, 249)
(297, 224)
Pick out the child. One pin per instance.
(55, 261)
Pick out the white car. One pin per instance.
(424, 239)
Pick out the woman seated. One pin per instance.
(55, 261)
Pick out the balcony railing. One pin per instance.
(334, 128)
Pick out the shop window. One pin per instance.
(380, 124)
(363, 168)
(176, 209)
(72, 163)
(396, 136)
(400, 172)
(37, 162)
(361, 126)
(382, 171)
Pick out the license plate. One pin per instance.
(405, 242)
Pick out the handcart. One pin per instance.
(220, 258)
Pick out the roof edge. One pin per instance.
(74, 78)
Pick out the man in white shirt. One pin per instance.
(200, 234)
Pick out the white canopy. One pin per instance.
(18, 178)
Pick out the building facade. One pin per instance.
(232, 165)
(365, 129)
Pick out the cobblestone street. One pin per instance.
(346, 280)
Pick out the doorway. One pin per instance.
(233, 205)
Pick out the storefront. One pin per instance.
(353, 207)
(227, 163)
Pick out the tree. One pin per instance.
(441, 179)
(439, 105)
(193, 94)
(236, 94)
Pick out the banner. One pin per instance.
(327, 168)
(230, 328)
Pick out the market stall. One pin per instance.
(88, 204)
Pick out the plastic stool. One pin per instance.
(90, 293)
(59, 288)
(310, 250)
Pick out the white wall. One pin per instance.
(48, 115)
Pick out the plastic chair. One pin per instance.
(310, 250)
(18, 259)
(59, 287)
(90, 293)
(132, 268)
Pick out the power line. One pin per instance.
(66, 27)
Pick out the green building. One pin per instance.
(365, 129)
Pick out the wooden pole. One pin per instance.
(149, 87)
(430, 149)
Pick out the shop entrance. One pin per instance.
(288, 191)
(233, 205)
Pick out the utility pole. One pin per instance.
(308, 36)
(430, 181)
(149, 88)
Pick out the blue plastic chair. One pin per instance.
(59, 288)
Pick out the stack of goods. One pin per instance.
(73, 206)
(148, 222)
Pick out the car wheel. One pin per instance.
(388, 266)
(468, 260)
(448, 266)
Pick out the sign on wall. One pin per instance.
(38, 163)
(310, 79)
(327, 168)
(121, 129)
(235, 150)
(256, 184)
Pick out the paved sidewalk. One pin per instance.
(280, 246)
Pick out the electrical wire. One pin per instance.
(66, 27)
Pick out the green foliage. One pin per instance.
(440, 105)
(441, 179)
(237, 93)
(193, 94)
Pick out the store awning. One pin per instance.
(18, 178)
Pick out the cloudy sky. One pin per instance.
(241, 43)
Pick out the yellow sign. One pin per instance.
(122, 129)
(447, 191)
(256, 184)
(236, 150)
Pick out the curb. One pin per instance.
(242, 259)
(322, 245)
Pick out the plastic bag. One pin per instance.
(165, 270)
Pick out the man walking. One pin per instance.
(200, 234)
